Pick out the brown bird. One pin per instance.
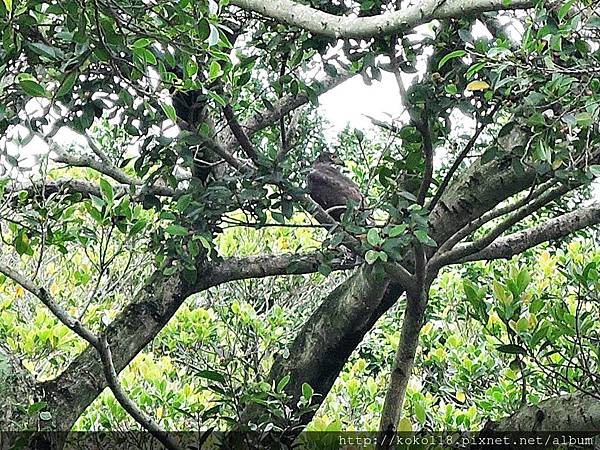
(329, 187)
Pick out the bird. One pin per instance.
(329, 187)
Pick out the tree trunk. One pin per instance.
(414, 319)
(335, 329)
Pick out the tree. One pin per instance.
(229, 78)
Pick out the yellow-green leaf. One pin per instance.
(405, 425)
(477, 85)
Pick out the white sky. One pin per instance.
(350, 102)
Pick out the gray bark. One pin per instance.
(321, 23)
(412, 323)
(513, 244)
(572, 412)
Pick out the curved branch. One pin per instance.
(239, 133)
(460, 158)
(462, 251)
(110, 171)
(322, 23)
(264, 118)
(103, 349)
(556, 228)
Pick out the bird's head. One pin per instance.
(330, 158)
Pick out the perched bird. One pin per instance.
(329, 187)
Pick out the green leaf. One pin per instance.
(44, 50)
(536, 119)
(107, 191)
(33, 88)
(451, 55)
(169, 111)
(214, 70)
(211, 375)
(470, 291)
(522, 325)
(307, 391)
(146, 55)
(424, 238)
(523, 280)
(35, 407)
(564, 9)
(168, 271)
(373, 237)
(176, 230)
(451, 89)
(512, 349)
(21, 243)
(420, 412)
(137, 227)
(398, 230)
(183, 202)
(67, 84)
(371, 256)
(325, 269)
(217, 98)
(584, 119)
(95, 213)
(283, 383)
(141, 43)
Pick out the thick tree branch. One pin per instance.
(571, 412)
(46, 188)
(508, 246)
(110, 171)
(321, 23)
(248, 267)
(462, 251)
(140, 321)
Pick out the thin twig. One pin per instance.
(101, 346)
(459, 159)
